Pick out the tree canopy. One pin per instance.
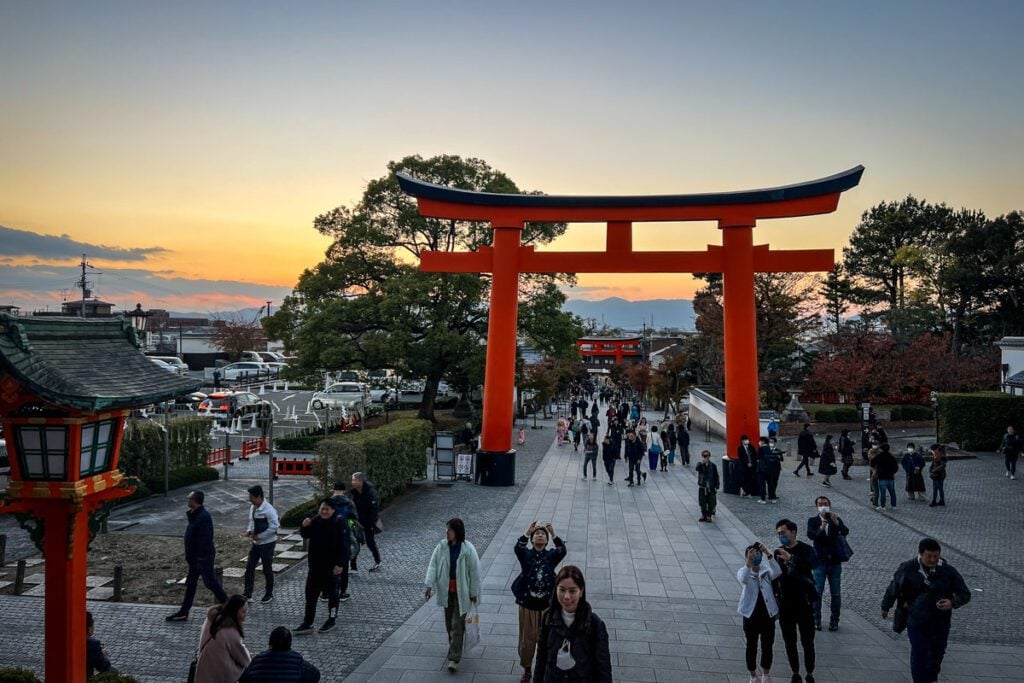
(368, 305)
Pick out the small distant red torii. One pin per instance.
(737, 259)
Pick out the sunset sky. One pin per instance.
(186, 147)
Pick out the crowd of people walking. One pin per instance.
(560, 637)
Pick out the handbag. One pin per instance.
(471, 639)
(900, 617)
(843, 549)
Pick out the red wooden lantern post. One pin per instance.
(737, 259)
(66, 386)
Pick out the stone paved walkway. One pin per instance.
(664, 585)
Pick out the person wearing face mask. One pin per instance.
(769, 465)
(758, 607)
(573, 643)
(535, 586)
(747, 456)
(707, 486)
(796, 607)
(806, 448)
(913, 467)
(925, 591)
(824, 530)
(635, 450)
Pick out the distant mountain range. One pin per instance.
(632, 315)
(613, 312)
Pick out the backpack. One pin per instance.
(358, 536)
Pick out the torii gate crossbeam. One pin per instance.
(737, 259)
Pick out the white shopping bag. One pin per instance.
(471, 641)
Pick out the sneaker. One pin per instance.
(827, 483)
(453, 666)
(1013, 477)
(704, 519)
(267, 597)
(375, 567)
(773, 500)
(247, 596)
(584, 477)
(755, 678)
(833, 625)
(766, 677)
(303, 629)
(343, 597)
(323, 597)
(761, 501)
(796, 473)
(1007, 475)
(177, 616)
(328, 625)
(630, 485)
(611, 483)
(645, 476)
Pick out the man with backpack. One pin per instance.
(346, 511)
(534, 587)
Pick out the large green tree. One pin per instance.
(368, 305)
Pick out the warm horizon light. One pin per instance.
(187, 148)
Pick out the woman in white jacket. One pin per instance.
(454, 574)
(759, 608)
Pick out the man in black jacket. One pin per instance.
(535, 586)
(707, 486)
(280, 664)
(199, 554)
(886, 466)
(926, 590)
(328, 553)
(796, 608)
(806, 448)
(368, 510)
(824, 530)
(635, 450)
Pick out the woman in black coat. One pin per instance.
(827, 463)
(573, 644)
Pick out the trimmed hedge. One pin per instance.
(305, 439)
(109, 677)
(18, 676)
(142, 451)
(184, 477)
(978, 421)
(391, 456)
(838, 414)
(294, 516)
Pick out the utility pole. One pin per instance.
(83, 283)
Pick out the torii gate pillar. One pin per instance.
(500, 368)
(739, 318)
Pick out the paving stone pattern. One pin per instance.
(979, 529)
(141, 643)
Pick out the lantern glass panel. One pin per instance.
(96, 447)
(43, 452)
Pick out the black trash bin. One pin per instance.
(732, 475)
(496, 468)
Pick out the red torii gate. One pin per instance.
(737, 259)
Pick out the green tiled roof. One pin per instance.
(89, 364)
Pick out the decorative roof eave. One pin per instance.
(84, 364)
(1016, 379)
(840, 182)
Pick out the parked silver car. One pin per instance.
(342, 394)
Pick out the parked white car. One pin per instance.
(352, 395)
(178, 364)
(242, 370)
(164, 365)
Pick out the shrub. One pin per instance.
(141, 491)
(110, 677)
(978, 421)
(183, 477)
(306, 439)
(837, 414)
(18, 676)
(142, 450)
(294, 516)
(912, 413)
(391, 456)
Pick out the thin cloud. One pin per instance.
(25, 243)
